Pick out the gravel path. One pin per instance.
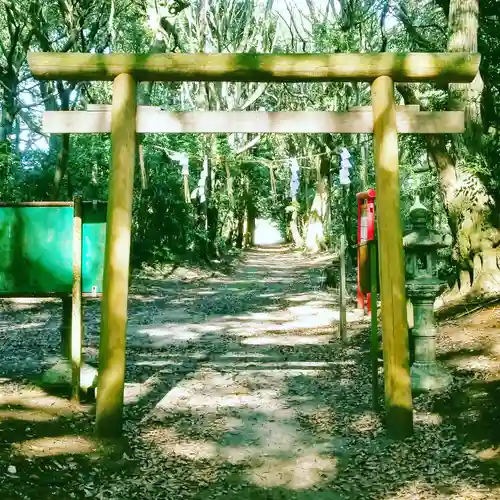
(237, 388)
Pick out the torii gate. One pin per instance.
(124, 120)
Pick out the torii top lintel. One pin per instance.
(443, 67)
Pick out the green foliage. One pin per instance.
(10, 181)
(165, 226)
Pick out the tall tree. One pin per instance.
(470, 207)
(63, 26)
(14, 43)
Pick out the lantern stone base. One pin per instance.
(429, 377)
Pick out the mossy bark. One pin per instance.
(471, 210)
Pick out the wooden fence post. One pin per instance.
(76, 301)
(117, 258)
(343, 291)
(372, 249)
(65, 329)
(398, 399)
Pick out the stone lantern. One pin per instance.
(423, 286)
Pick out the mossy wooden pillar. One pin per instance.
(116, 261)
(398, 399)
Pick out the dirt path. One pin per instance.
(237, 388)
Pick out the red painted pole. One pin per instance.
(366, 232)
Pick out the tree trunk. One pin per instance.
(327, 182)
(463, 27)
(8, 110)
(212, 211)
(59, 144)
(61, 166)
(470, 212)
(7, 116)
(250, 234)
(470, 208)
(294, 225)
(315, 232)
(251, 212)
(240, 230)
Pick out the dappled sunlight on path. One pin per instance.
(238, 387)
(267, 335)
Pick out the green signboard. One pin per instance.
(94, 243)
(36, 249)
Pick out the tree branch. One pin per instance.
(248, 145)
(34, 127)
(294, 24)
(436, 144)
(383, 34)
(312, 11)
(445, 5)
(404, 17)
(35, 104)
(298, 96)
(261, 88)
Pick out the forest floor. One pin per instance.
(239, 388)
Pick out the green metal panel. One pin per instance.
(36, 249)
(94, 243)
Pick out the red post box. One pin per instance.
(366, 232)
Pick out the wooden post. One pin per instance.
(116, 261)
(398, 399)
(343, 316)
(76, 301)
(66, 327)
(372, 245)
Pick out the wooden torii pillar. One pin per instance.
(124, 120)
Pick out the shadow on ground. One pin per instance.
(238, 387)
